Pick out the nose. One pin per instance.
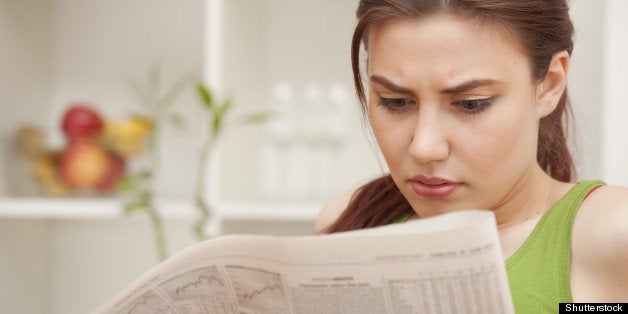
(429, 141)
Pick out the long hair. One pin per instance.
(542, 28)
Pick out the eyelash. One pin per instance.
(400, 105)
(479, 105)
(395, 105)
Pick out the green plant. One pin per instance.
(139, 185)
(218, 114)
(158, 108)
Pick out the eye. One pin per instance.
(474, 106)
(395, 105)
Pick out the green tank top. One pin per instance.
(538, 272)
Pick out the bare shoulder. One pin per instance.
(600, 244)
(332, 210)
(606, 206)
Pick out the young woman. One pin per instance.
(466, 99)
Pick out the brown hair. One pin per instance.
(542, 28)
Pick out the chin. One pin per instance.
(434, 207)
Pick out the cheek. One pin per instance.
(506, 145)
(392, 135)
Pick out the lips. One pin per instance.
(433, 187)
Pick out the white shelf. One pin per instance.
(269, 211)
(105, 208)
(35, 208)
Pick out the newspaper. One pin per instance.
(451, 263)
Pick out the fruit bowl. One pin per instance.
(92, 162)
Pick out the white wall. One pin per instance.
(586, 86)
(598, 79)
(91, 261)
(25, 269)
(615, 114)
(25, 55)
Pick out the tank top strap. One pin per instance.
(539, 270)
(403, 218)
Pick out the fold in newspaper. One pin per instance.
(451, 263)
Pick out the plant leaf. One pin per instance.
(224, 108)
(137, 206)
(127, 185)
(205, 95)
(220, 114)
(257, 117)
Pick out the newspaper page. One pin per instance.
(451, 263)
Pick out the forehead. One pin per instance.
(443, 47)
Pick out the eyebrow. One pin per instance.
(460, 88)
(389, 85)
(470, 85)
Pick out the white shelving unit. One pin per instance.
(111, 209)
(70, 255)
(66, 255)
(59, 209)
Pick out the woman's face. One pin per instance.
(452, 106)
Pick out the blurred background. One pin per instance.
(292, 138)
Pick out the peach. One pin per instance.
(84, 165)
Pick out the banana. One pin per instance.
(128, 137)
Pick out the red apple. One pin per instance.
(84, 165)
(80, 121)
